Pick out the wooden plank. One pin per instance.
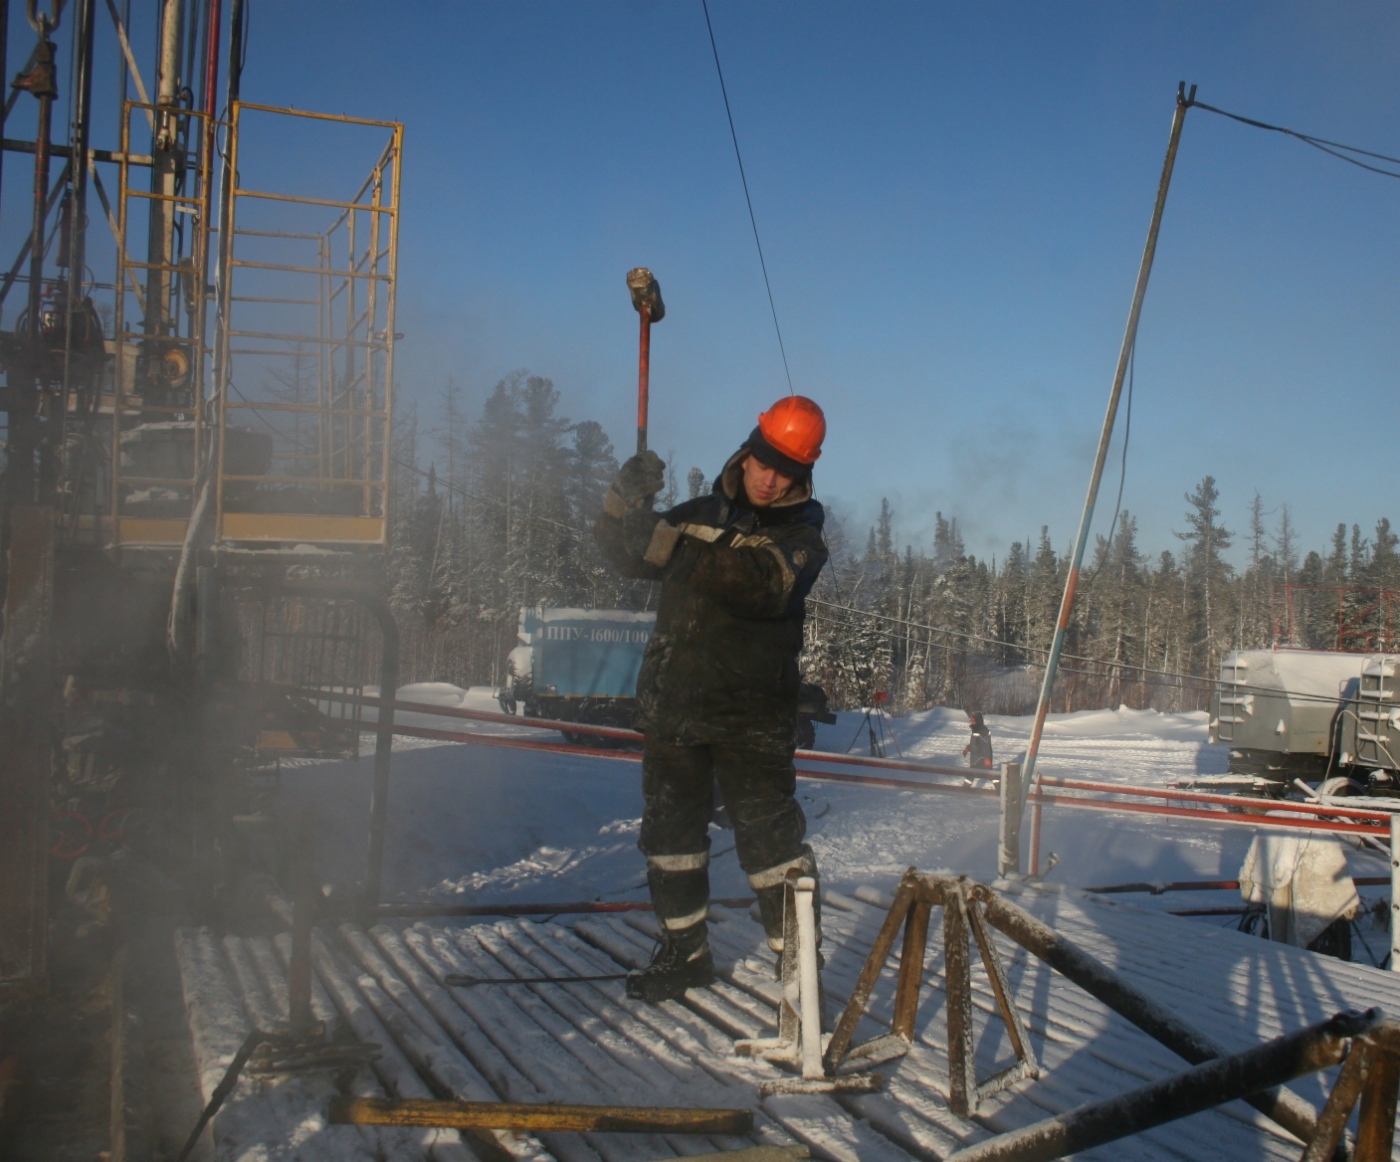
(486, 1115)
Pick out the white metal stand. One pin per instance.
(800, 1041)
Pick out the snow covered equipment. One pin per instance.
(1300, 883)
(682, 961)
(646, 298)
(799, 1041)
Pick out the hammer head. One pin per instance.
(646, 292)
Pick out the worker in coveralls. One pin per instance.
(979, 747)
(718, 689)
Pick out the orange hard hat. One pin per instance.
(795, 427)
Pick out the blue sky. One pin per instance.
(952, 200)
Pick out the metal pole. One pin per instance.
(46, 93)
(383, 747)
(303, 917)
(1183, 102)
(78, 161)
(1395, 893)
(1101, 982)
(1206, 1086)
(4, 68)
(808, 988)
(164, 139)
(1009, 841)
(643, 379)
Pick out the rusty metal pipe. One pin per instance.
(1212, 1084)
(303, 918)
(1099, 981)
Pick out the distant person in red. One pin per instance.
(979, 747)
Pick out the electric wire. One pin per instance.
(1334, 148)
(753, 221)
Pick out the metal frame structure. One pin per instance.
(161, 344)
(342, 459)
(971, 909)
(1355, 631)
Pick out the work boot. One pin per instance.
(682, 961)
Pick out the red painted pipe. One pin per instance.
(1271, 805)
(643, 378)
(1210, 886)
(1076, 801)
(616, 732)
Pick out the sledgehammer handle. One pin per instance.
(646, 298)
(643, 378)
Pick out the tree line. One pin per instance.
(493, 513)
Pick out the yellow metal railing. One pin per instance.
(330, 422)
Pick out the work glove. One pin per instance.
(641, 478)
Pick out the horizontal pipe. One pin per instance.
(409, 908)
(893, 784)
(1227, 817)
(1207, 911)
(343, 118)
(316, 270)
(623, 733)
(1207, 886)
(543, 1118)
(1212, 1084)
(115, 156)
(619, 733)
(268, 196)
(1236, 801)
(318, 340)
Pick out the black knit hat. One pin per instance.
(763, 451)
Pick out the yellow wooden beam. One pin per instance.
(487, 1115)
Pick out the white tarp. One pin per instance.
(1302, 880)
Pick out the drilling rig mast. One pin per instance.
(197, 406)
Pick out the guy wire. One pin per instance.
(734, 136)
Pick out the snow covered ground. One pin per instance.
(486, 824)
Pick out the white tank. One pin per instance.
(1279, 709)
(1370, 733)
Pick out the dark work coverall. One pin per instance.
(717, 693)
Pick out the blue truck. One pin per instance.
(578, 665)
(581, 665)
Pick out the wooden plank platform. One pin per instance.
(587, 1043)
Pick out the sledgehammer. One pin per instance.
(646, 297)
